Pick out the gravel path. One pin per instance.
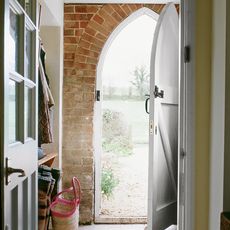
(130, 196)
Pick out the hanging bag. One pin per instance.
(65, 207)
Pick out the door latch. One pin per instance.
(158, 93)
(146, 103)
(98, 95)
(10, 171)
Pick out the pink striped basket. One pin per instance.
(65, 207)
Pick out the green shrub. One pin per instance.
(108, 182)
(116, 134)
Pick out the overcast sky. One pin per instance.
(131, 47)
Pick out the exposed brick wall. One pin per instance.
(86, 29)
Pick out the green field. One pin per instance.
(135, 116)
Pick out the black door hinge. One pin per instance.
(187, 54)
(98, 95)
(158, 93)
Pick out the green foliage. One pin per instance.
(141, 81)
(108, 182)
(116, 134)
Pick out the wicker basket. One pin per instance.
(225, 221)
(65, 210)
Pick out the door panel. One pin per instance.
(164, 121)
(19, 109)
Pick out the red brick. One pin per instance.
(71, 24)
(69, 47)
(84, 66)
(83, 24)
(84, 44)
(97, 43)
(90, 31)
(92, 9)
(68, 32)
(81, 9)
(91, 60)
(95, 48)
(87, 52)
(132, 7)
(68, 64)
(157, 8)
(71, 17)
(68, 8)
(119, 10)
(98, 28)
(86, 9)
(98, 19)
(108, 26)
(89, 80)
(85, 16)
(116, 16)
(71, 39)
(80, 58)
(69, 56)
(78, 32)
(108, 18)
(108, 9)
(101, 37)
(87, 37)
(126, 9)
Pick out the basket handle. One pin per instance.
(60, 193)
(77, 188)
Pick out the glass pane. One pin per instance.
(14, 41)
(28, 112)
(13, 108)
(28, 60)
(29, 8)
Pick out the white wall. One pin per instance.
(52, 38)
(52, 12)
(218, 113)
(51, 33)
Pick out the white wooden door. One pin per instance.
(162, 210)
(18, 103)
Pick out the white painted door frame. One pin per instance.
(186, 154)
(97, 109)
(186, 193)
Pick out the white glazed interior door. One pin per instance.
(164, 122)
(20, 109)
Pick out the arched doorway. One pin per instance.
(121, 123)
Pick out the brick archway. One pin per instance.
(86, 30)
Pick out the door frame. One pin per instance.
(186, 151)
(97, 125)
(2, 107)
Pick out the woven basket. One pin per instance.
(65, 208)
(225, 221)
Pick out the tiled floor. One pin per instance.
(113, 227)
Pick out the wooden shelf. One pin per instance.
(47, 160)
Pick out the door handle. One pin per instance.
(13, 170)
(10, 170)
(146, 103)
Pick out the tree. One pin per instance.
(141, 80)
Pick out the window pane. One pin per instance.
(14, 41)
(28, 112)
(29, 8)
(13, 108)
(28, 60)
